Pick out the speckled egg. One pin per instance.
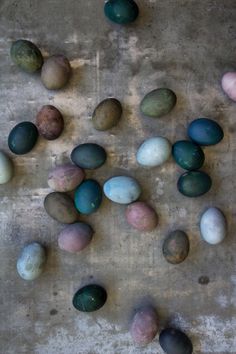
(75, 237)
(121, 11)
(107, 114)
(31, 262)
(88, 196)
(188, 155)
(89, 156)
(194, 183)
(174, 341)
(229, 84)
(213, 226)
(6, 168)
(122, 189)
(26, 55)
(49, 122)
(204, 131)
(141, 216)
(65, 178)
(154, 152)
(144, 326)
(56, 72)
(176, 247)
(158, 103)
(23, 138)
(90, 298)
(61, 207)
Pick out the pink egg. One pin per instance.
(144, 326)
(141, 216)
(65, 178)
(75, 237)
(229, 85)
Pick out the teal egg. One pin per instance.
(31, 262)
(194, 183)
(26, 55)
(90, 298)
(22, 138)
(88, 196)
(6, 168)
(204, 131)
(121, 11)
(188, 155)
(89, 156)
(158, 103)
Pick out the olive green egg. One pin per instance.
(158, 103)
(23, 138)
(107, 114)
(188, 155)
(26, 55)
(194, 183)
(6, 168)
(176, 247)
(61, 207)
(90, 298)
(56, 72)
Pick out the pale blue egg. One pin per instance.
(122, 189)
(31, 262)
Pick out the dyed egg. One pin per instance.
(204, 131)
(74, 238)
(89, 156)
(65, 178)
(90, 298)
(22, 138)
(229, 85)
(88, 196)
(107, 114)
(158, 103)
(154, 152)
(144, 326)
(60, 207)
(26, 55)
(194, 183)
(56, 72)
(121, 11)
(173, 341)
(141, 216)
(213, 226)
(188, 155)
(176, 247)
(122, 189)
(49, 122)
(31, 262)
(6, 168)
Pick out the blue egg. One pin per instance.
(204, 131)
(88, 196)
(122, 189)
(31, 261)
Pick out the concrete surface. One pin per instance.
(182, 44)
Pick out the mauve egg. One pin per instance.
(229, 84)
(49, 122)
(65, 178)
(75, 237)
(144, 326)
(141, 216)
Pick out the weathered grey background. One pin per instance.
(183, 44)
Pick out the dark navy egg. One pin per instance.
(194, 183)
(22, 138)
(173, 341)
(188, 155)
(90, 298)
(121, 11)
(89, 156)
(204, 131)
(88, 196)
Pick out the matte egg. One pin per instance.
(158, 103)
(174, 341)
(194, 183)
(144, 326)
(141, 216)
(56, 72)
(90, 298)
(88, 196)
(154, 152)
(213, 226)
(65, 178)
(122, 189)
(229, 84)
(26, 55)
(49, 122)
(204, 131)
(31, 261)
(89, 156)
(176, 247)
(61, 207)
(121, 11)
(188, 155)
(75, 237)
(107, 114)
(6, 168)
(23, 138)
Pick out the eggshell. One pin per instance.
(49, 122)
(122, 189)
(75, 237)
(144, 326)
(229, 84)
(154, 152)
(31, 261)
(6, 168)
(213, 226)
(141, 216)
(65, 178)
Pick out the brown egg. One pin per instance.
(49, 122)
(75, 237)
(141, 216)
(56, 72)
(144, 326)
(176, 247)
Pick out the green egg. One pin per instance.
(188, 155)
(26, 55)
(90, 298)
(158, 103)
(194, 183)
(6, 168)
(22, 138)
(121, 11)
(107, 114)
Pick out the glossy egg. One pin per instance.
(90, 298)
(31, 261)
(49, 122)
(213, 226)
(158, 103)
(61, 207)
(144, 326)
(229, 84)
(174, 341)
(204, 131)
(176, 247)
(6, 168)
(188, 155)
(154, 152)
(107, 114)
(23, 138)
(122, 189)
(141, 216)
(75, 237)
(121, 11)
(88, 196)
(194, 183)
(26, 55)
(65, 178)
(89, 156)
(56, 72)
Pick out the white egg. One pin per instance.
(213, 226)
(229, 84)
(154, 152)
(6, 168)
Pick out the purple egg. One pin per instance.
(141, 216)
(144, 326)
(65, 178)
(75, 237)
